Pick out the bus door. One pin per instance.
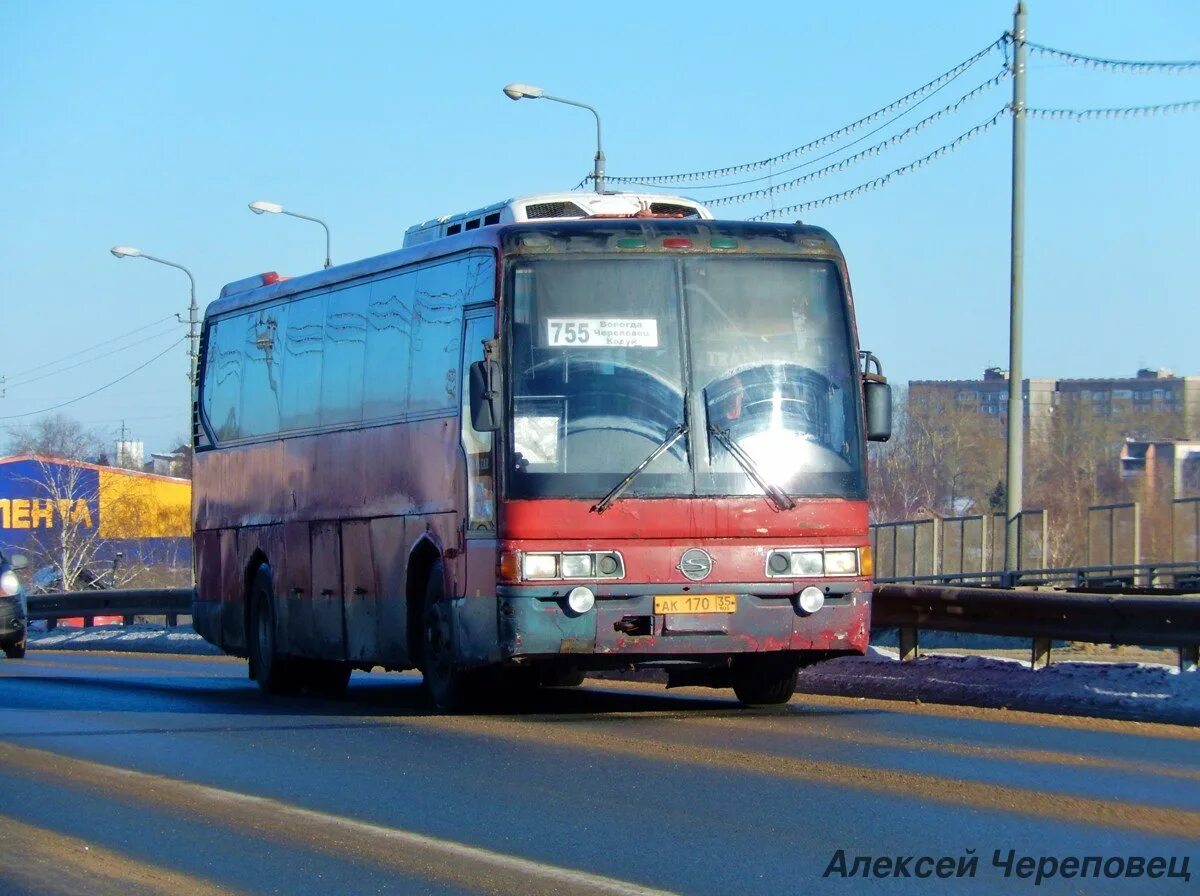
(477, 617)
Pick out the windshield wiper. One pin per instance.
(777, 495)
(672, 437)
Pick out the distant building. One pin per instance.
(130, 454)
(44, 500)
(1174, 400)
(1170, 468)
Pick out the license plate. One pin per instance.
(694, 603)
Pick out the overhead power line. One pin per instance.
(1123, 66)
(79, 398)
(18, 381)
(1125, 112)
(75, 355)
(894, 140)
(882, 180)
(891, 107)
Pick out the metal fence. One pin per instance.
(1185, 529)
(955, 545)
(1114, 534)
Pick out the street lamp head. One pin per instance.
(125, 251)
(258, 206)
(523, 91)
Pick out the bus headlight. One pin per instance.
(576, 566)
(569, 565)
(540, 566)
(811, 563)
(807, 563)
(841, 563)
(9, 583)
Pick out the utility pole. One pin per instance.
(1016, 405)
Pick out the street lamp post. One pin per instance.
(193, 308)
(261, 206)
(529, 92)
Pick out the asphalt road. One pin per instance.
(139, 774)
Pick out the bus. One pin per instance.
(530, 450)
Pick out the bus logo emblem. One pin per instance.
(695, 564)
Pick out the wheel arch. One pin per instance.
(258, 560)
(422, 559)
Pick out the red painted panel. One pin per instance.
(688, 518)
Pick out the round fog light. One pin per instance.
(811, 599)
(581, 599)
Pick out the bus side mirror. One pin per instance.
(484, 381)
(877, 398)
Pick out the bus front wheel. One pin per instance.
(275, 673)
(446, 682)
(765, 680)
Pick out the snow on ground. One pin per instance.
(143, 638)
(1140, 691)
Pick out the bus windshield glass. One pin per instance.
(609, 355)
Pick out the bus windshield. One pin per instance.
(609, 355)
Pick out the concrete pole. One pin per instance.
(1016, 406)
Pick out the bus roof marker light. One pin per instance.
(677, 242)
(631, 242)
(723, 242)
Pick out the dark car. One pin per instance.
(14, 616)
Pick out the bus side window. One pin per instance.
(389, 332)
(345, 347)
(437, 330)
(223, 378)
(303, 360)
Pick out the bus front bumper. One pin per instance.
(536, 623)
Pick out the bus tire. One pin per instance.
(446, 682)
(15, 650)
(765, 680)
(275, 673)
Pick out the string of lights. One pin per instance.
(882, 180)
(1126, 112)
(1124, 66)
(771, 175)
(890, 108)
(894, 140)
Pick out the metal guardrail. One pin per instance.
(127, 603)
(1129, 574)
(1042, 616)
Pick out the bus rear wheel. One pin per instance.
(447, 684)
(765, 680)
(275, 673)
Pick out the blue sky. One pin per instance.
(153, 124)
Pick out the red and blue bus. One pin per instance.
(525, 451)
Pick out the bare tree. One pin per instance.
(54, 435)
